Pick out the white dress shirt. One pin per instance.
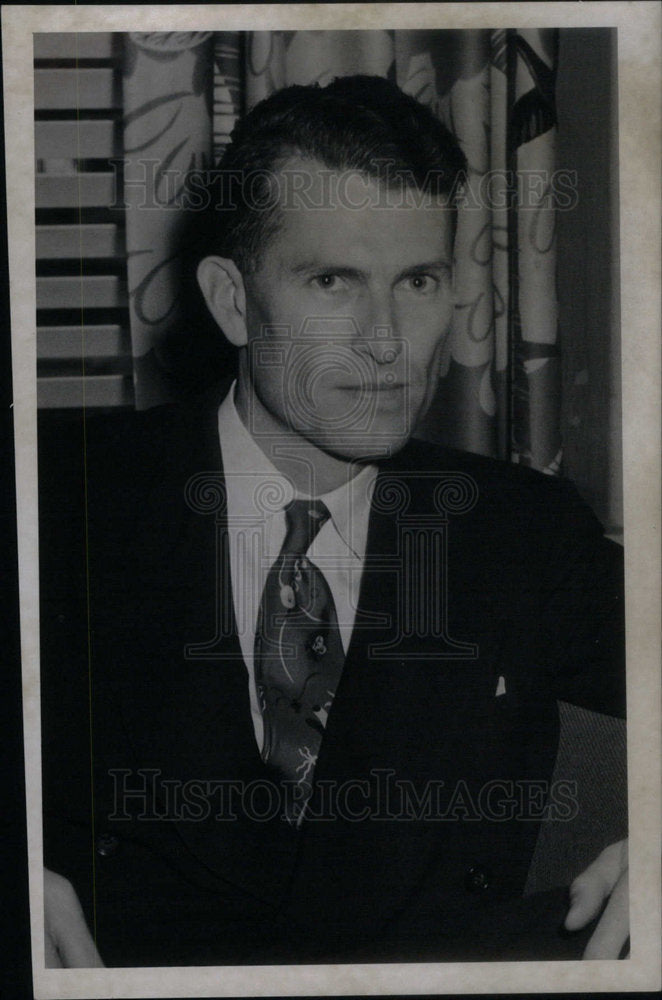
(257, 494)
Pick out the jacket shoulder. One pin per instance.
(505, 491)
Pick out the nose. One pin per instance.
(377, 329)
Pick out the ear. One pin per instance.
(223, 289)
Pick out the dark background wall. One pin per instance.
(588, 271)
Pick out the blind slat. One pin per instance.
(76, 190)
(60, 392)
(71, 242)
(85, 139)
(61, 89)
(88, 99)
(63, 343)
(88, 292)
(73, 45)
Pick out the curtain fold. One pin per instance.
(536, 402)
(167, 91)
(498, 391)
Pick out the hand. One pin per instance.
(605, 878)
(68, 942)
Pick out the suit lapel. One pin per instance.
(187, 702)
(396, 659)
(372, 735)
(408, 706)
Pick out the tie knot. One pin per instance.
(304, 518)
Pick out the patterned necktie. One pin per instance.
(298, 657)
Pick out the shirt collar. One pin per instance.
(256, 490)
(349, 507)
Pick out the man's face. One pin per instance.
(346, 315)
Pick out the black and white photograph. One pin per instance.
(337, 429)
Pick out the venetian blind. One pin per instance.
(83, 344)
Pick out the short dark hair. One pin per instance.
(359, 123)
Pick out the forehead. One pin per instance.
(347, 211)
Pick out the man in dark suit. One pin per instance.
(323, 658)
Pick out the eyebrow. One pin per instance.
(433, 265)
(308, 267)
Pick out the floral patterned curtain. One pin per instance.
(499, 379)
(167, 126)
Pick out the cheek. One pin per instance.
(273, 304)
(426, 333)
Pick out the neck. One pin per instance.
(311, 470)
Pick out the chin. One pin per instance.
(369, 448)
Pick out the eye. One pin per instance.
(423, 283)
(328, 282)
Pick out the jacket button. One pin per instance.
(477, 879)
(107, 845)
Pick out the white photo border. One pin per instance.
(639, 63)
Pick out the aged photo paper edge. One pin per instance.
(639, 137)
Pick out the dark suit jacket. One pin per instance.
(438, 782)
